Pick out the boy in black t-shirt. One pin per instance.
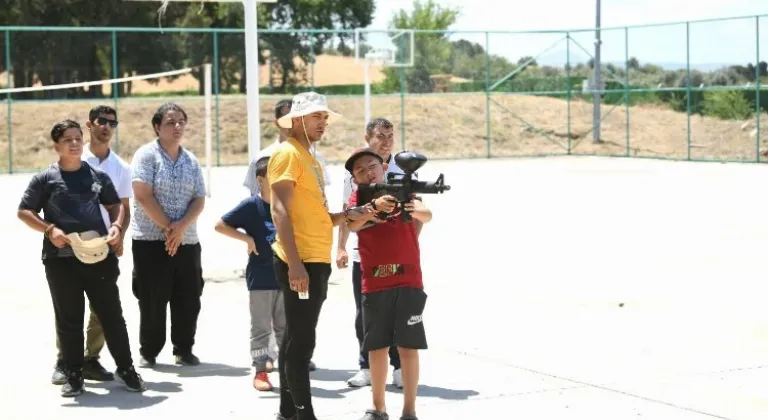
(78, 254)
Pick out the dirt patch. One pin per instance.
(440, 126)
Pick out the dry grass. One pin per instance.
(438, 126)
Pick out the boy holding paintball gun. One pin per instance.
(393, 296)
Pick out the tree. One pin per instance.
(432, 50)
(58, 57)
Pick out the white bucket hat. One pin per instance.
(89, 246)
(304, 104)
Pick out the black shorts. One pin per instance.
(394, 317)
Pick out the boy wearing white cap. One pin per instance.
(78, 254)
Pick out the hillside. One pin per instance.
(440, 126)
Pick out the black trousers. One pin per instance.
(159, 279)
(357, 287)
(298, 344)
(69, 280)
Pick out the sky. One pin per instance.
(722, 42)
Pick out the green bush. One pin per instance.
(727, 105)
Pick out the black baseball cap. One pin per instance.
(366, 151)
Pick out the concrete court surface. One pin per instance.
(526, 263)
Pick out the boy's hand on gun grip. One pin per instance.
(252, 246)
(387, 204)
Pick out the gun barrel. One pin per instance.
(431, 187)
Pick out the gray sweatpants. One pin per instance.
(267, 316)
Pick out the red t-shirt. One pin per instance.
(389, 255)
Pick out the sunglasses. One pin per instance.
(102, 121)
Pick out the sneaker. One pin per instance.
(58, 377)
(312, 366)
(374, 415)
(397, 378)
(147, 362)
(361, 378)
(94, 371)
(261, 382)
(131, 379)
(187, 359)
(74, 385)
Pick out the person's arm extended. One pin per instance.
(420, 213)
(343, 233)
(363, 215)
(143, 195)
(282, 200)
(227, 230)
(338, 219)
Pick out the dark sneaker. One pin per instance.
(312, 366)
(374, 415)
(188, 359)
(94, 371)
(147, 362)
(131, 379)
(74, 386)
(58, 377)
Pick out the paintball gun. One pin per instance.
(403, 186)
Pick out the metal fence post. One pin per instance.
(8, 98)
(115, 87)
(312, 64)
(488, 94)
(402, 107)
(570, 87)
(688, 81)
(216, 77)
(758, 109)
(626, 85)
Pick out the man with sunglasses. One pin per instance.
(101, 124)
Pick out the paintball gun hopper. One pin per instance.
(403, 186)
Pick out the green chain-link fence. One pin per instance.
(691, 90)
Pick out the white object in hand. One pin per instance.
(303, 295)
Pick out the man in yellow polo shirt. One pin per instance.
(303, 246)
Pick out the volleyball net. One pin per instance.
(32, 118)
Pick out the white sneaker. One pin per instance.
(361, 378)
(397, 378)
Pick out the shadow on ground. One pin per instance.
(118, 397)
(332, 375)
(203, 370)
(429, 391)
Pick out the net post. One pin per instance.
(115, 86)
(208, 135)
(252, 78)
(367, 71)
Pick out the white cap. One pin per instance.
(89, 247)
(304, 104)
